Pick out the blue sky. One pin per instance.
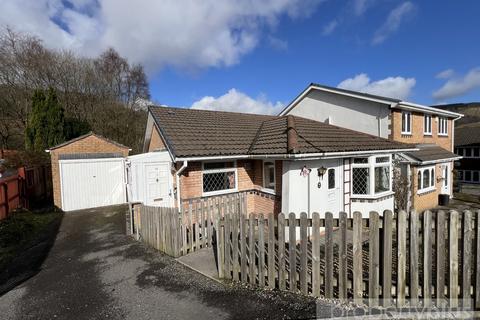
(257, 56)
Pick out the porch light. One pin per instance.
(321, 171)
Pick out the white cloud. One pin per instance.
(360, 6)
(277, 43)
(455, 87)
(393, 22)
(187, 34)
(237, 101)
(445, 74)
(393, 87)
(330, 27)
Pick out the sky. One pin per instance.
(257, 56)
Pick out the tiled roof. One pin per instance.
(191, 133)
(430, 152)
(467, 134)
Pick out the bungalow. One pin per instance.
(282, 163)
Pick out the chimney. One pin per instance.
(292, 143)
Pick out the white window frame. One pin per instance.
(264, 187)
(422, 189)
(408, 122)
(471, 172)
(427, 124)
(225, 191)
(371, 165)
(443, 126)
(463, 152)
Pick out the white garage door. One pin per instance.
(89, 183)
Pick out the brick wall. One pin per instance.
(250, 178)
(89, 144)
(417, 135)
(156, 142)
(428, 200)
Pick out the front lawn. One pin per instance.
(20, 230)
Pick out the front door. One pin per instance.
(445, 178)
(158, 185)
(327, 189)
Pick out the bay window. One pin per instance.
(219, 177)
(371, 176)
(269, 175)
(426, 179)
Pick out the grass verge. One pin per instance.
(19, 230)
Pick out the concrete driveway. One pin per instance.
(94, 271)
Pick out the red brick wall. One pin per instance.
(250, 178)
(417, 135)
(89, 144)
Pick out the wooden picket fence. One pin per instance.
(179, 233)
(403, 259)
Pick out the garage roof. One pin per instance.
(86, 136)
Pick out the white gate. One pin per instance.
(89, 183)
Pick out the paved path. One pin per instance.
(94, 271)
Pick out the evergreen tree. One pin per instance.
(45, 127)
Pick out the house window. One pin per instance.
(442, 126)
(476, 152)
(460, 175)
(468, 175)
(269, 175)
(426, 179)
(371, 176)
(331, 178)
(427, 124)
(406, 122)
(445, 176)
(475, 177)
(219, 177)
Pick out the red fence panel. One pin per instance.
(9, 195)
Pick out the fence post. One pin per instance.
(401, 256)
(453, 256)
(243, 248)
(466, 258)
(292, 252)
(374, 259)
(271, 251)
(342, 257)
(251, 251)
(220, 247)
(281, 251)
(477, 260)
(316, 254)
(440, 255)
(329, 255)
(303, 253)
(357, 258)
(261, 250)
(427, 257)
(413, 257)
(387, 257)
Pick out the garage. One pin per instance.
(90, 183)
(88, 172)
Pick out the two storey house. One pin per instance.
(427, 171)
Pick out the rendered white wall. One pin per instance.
(378, 206)
(347, 112)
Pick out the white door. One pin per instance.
(331, 187)
(158, 184)
(446, 182)
(90, 183)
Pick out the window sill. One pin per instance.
(427, 190)
(372, 196)
(443, 135)
(406, 133)
(427, 134)
(269, 191)
(220, 192)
